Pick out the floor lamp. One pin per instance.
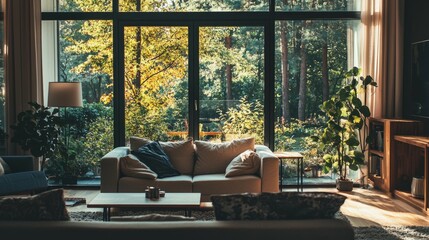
(65, 94)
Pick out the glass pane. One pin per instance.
(76, 6)
(83, 54)
(311, 59)
(156, 82)
(318, 5)
(192, 6)
(231, 83)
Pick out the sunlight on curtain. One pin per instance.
(371, 50)
(382, 54)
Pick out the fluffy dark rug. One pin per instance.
(361, 233)
(392, 233)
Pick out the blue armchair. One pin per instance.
(23, 178)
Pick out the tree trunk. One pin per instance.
(137, 80)
(302, 83)
(285, 71)
(325, 76)
(228, 45)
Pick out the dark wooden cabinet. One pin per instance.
(381, 150)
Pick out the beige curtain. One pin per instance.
(382, 54)
(23, 61)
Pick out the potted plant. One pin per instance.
(37, 130)
(346, 133)
(64, 165)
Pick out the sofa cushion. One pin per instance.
(23, 182)
(156, 159)
(208, 184)
(48, 205)
(275, 206)
(131, 166)
(247, 162)
(181, 155)
(181, 183)
(215, 157)
(137, 142)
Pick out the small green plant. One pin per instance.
(244, 120)
(346, 132)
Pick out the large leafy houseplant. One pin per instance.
(37, 130)
(346, 133)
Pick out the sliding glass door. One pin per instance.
(231, 82)
(205, 82)
(156, 81)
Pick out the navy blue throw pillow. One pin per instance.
(156, 159)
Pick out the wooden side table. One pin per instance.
(299, 168)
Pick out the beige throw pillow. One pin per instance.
(137, 142)
(181, 155)
(247, 163)
(1, 170)
(213, 158)
(131, 166)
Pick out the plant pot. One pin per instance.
(344, 185)
(69, 180)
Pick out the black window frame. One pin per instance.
(261, 18)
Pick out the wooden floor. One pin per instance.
(363, 207)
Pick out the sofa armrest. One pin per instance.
(23, 182)
(269, 170)
(110, 172)
(19, 163)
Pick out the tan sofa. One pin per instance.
(266, 180)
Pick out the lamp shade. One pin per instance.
(65, 94)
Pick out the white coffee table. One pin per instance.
(185, 201)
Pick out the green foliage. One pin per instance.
(66, 162)
(37, 130)
(244, 120)
(90, 136)
(347, 125)
(98, 141)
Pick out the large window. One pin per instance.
(210, 70)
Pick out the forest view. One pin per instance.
(311, 58)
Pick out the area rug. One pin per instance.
(392, 233)
(361, 233)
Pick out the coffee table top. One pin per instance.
(173, 200)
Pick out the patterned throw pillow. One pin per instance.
(48, 205)
(276, 206)
(247, 163)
